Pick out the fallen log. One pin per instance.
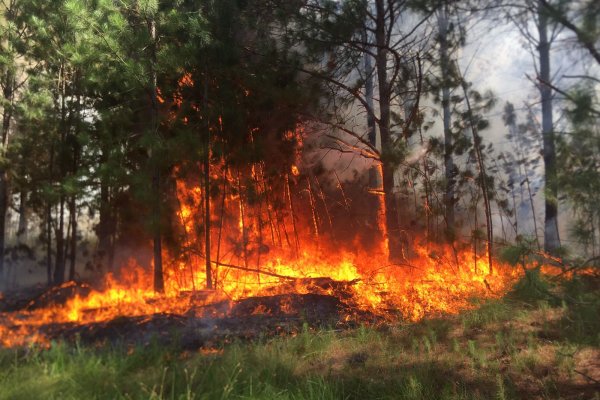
(59, 295)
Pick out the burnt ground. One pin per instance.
(202, 325)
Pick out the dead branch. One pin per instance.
(589, 378)
(258, 271)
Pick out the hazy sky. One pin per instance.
(497, 59)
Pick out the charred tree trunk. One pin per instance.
(388, 169)
(551, 235)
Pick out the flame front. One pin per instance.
(431, 285)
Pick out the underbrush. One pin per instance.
(525, 346)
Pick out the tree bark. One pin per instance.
(3, 208)
(551, 234)
(8, 94)
(104, 225)
(159, 285)
(374, 182)
(59, 262)
(49, 243)
(209, 279)
(49, 274)
(449, 168)
(23, 218)
(388, 170)
(482, 182)
(73, 245)
(73, 222)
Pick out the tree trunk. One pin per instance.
(388, 170)
(59, 261)
(159, 285)
(449, 168)
(482, 181)
(73, 245)
(49, 274)
(73, 199)
(551, 235)
(103, 230)
(23, 218)
(73, 224)
(209, 279)
(374, 182)
(8, 93)
(59, 264)
(3, 208)
(49, 243)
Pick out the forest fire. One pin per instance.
(431, 284)
(268, 250)
(272, 238)
(299, 199)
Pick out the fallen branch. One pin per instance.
(257, 271)
(589, 378)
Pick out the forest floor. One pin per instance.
(530, 345)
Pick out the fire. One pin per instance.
(258, 250)
(260, 247)
(433, 284)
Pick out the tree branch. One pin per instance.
(583, 38)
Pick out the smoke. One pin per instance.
(417, 154)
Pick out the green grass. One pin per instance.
(508, 349)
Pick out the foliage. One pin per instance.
(579, 175)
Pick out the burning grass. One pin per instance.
(359, 288)
(503, 349)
